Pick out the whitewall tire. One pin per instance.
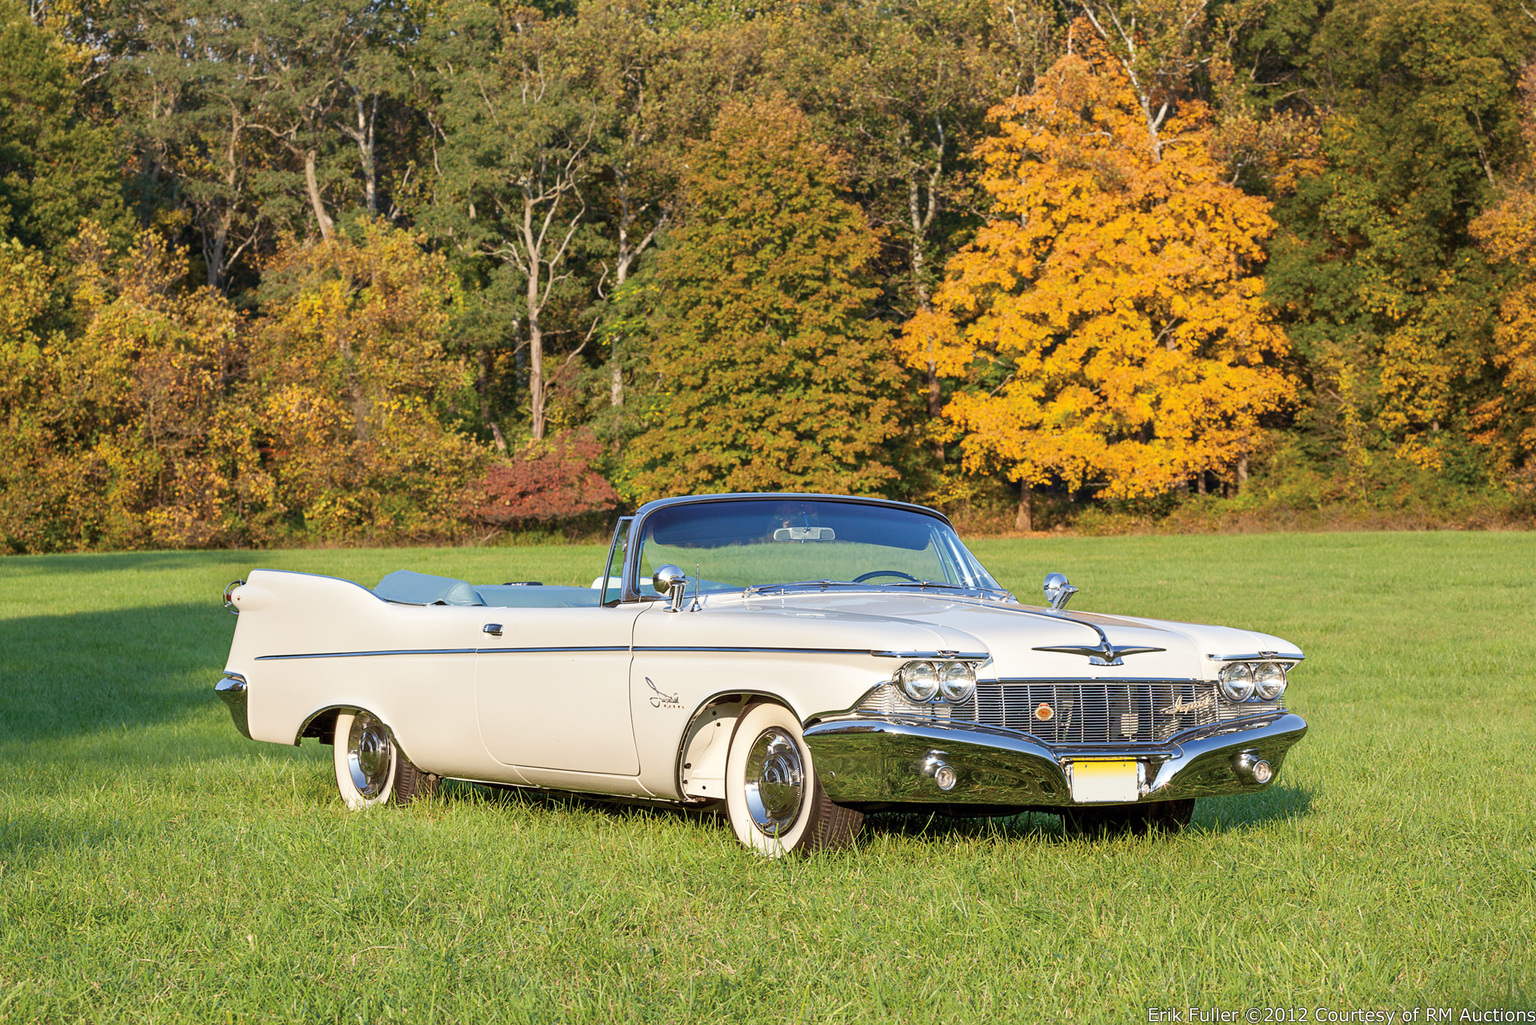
(773, 798)
(370, 770)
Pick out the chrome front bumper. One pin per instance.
(891, 760)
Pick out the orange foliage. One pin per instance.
(1111, 292)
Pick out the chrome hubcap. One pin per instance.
(775, 781)
(368, 755)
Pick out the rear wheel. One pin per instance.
(773, 798)
(1137, 819)
(370, 770)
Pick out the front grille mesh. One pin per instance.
(1083, 712)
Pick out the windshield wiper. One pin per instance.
(973, 588)
(823, 584)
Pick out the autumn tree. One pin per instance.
(767, 370)
(354, 393)
(1505, 420)
(124, 434)
(1107, 314)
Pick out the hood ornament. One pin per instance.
(1104, 654)
(1057, 591)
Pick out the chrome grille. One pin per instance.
(1083, 712)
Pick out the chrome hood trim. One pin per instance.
(1026, 641)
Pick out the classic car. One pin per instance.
(825, 658)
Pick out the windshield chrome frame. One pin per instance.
(630, 588)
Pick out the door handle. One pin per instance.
(494, 629)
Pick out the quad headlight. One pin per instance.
(919, 681)
(957, 681)
(948, 681)
(1269, 680)
(1241, 681)
(1237, 681)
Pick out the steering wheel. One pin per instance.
(862, 577)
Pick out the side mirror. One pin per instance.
(1057, 591)
(671, 581)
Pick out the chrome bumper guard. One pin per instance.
(231, 690)
(898, 761)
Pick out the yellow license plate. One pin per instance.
(1101, 782)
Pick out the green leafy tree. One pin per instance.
(517, 139)
(1387, 299)
(903, 89)
(57, 167)
(767, 370)
(180, 83)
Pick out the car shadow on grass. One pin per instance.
(1234, 814)
(83, 673)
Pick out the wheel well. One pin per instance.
(701, 759)
(322, 724)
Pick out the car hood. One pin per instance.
(1013, 634)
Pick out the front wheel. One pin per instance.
(370, 770)
(775, 802)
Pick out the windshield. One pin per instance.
(764, 543)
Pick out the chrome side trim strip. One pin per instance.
(758, 650)
(648, 648)
(447, 651)
(369, 654)
(553, 650)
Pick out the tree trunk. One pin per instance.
(1024, 520)
(535, 355)
(312, 182)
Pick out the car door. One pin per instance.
(552, 691)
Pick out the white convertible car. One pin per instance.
(821, 657)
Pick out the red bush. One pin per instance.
(547, 481)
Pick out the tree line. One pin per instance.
(368, 271)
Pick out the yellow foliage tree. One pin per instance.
(355, 393)
(1106, 315)
(119, 434)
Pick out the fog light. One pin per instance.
(1254, 767)
(946, 777)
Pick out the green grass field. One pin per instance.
(156, 866)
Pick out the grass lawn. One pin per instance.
(156, 866)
